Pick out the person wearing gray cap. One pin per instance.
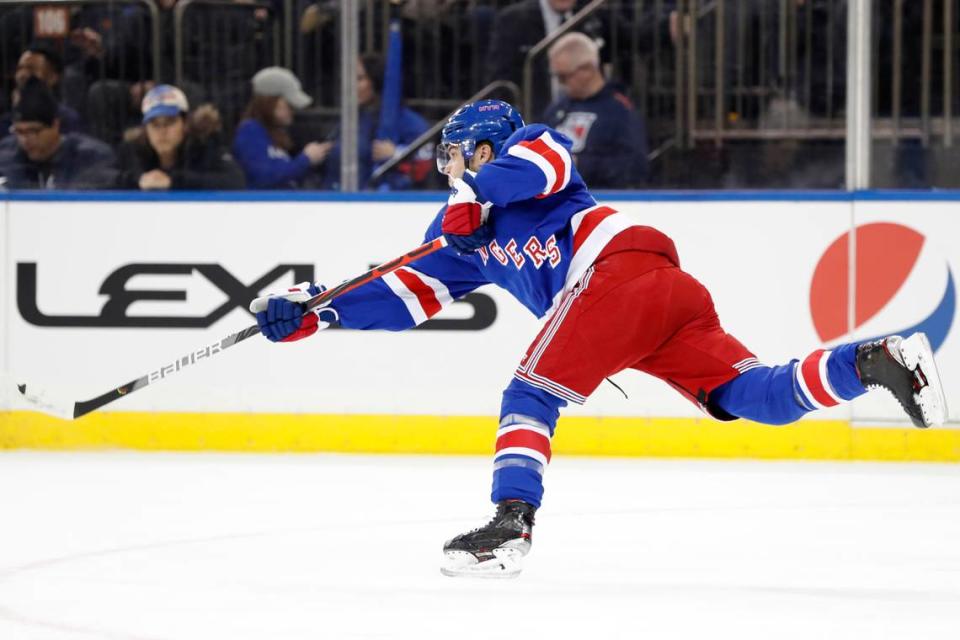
(262, 144)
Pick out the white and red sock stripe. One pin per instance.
(814, 382)
(422, 295)
(528, 438)
(550, 157)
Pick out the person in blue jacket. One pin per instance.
(262, 144)
(609, 136)
(372, 151)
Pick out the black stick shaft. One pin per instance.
(84, 407)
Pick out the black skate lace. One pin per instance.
(501, 512)
(489, 523)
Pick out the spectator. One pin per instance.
(174, 151)
(41, 62)
(372, 151)
(609, 136)
(116, 66)
(39, 156)
(262, 144)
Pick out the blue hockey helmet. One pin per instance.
(491, 121)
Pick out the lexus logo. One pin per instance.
(114, 314)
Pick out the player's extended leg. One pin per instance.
(825, 378)
(783, 394)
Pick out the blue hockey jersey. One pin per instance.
(547, 231)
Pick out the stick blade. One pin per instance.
(43, 401)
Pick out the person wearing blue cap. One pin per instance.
(176, 149)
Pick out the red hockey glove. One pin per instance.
(464, 222)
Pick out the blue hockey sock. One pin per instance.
(762, 394)
(783, 394)
(527, 421)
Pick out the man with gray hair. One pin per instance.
(609, 136)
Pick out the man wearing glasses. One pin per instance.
(39, 156)
(609, 136)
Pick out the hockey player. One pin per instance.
(614, 297)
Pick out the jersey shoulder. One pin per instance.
(545, 158)
(529, 134)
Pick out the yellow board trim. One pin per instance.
(657, 437)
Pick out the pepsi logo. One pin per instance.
(903, 284)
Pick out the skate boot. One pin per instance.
(905, 368)
(494, 550)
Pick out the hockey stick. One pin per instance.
(71, 410)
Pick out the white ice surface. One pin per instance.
(161, 546)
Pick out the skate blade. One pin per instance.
(932, 400)
(506, 563)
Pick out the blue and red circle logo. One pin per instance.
(903, 285)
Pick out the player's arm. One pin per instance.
(399, 300)
(536, 164)
(413, 294)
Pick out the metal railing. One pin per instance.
(743, 59)
(19, 20)
(733, 72)
(27, 25)
(106, 46)
(740, 55)
(539, 48)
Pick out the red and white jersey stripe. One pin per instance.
(813, 380)
(527, 438)
(593, 229)
(550, 157)
(423, 295)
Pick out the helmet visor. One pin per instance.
(444, 154)
(447, 150)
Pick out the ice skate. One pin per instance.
(905, 368)
(494, 550)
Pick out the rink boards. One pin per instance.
(98, 290)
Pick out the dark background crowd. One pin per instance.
(231, 94)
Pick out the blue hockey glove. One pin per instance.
(464, 223)
(283, 316)
(470, 243)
